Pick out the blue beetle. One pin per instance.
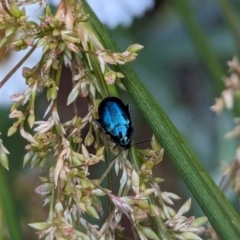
(115, 119)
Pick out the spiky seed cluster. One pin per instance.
(230, 95)
(231, 92)
(66, 38)
(3, 154)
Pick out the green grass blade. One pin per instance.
(232, 19)
(200, 41)
(7, 208)
(218, 210)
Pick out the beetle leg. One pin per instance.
(128, 108)
(97, 122)
(131, 131)
(99, 125)
(112, 140)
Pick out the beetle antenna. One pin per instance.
(149, 140)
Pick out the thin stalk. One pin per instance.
(205, 50)
(51, 208)
(97, 72)
(9, 75)
(232, 19)
(59, 71)
(5, 7)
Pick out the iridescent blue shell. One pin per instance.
(115, 119)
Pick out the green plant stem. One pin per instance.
(7, 208)
(59, 71)
(98, 73)
(212, 201)
(200, 41)
(205, 50)
(232, 18)
(51, 208)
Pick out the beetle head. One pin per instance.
(125, 142)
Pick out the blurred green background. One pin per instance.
(187, 45)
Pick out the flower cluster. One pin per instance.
(3, 154)
(67, 38)
(230, 96)
(232, 84)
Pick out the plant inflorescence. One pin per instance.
(67, 38)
